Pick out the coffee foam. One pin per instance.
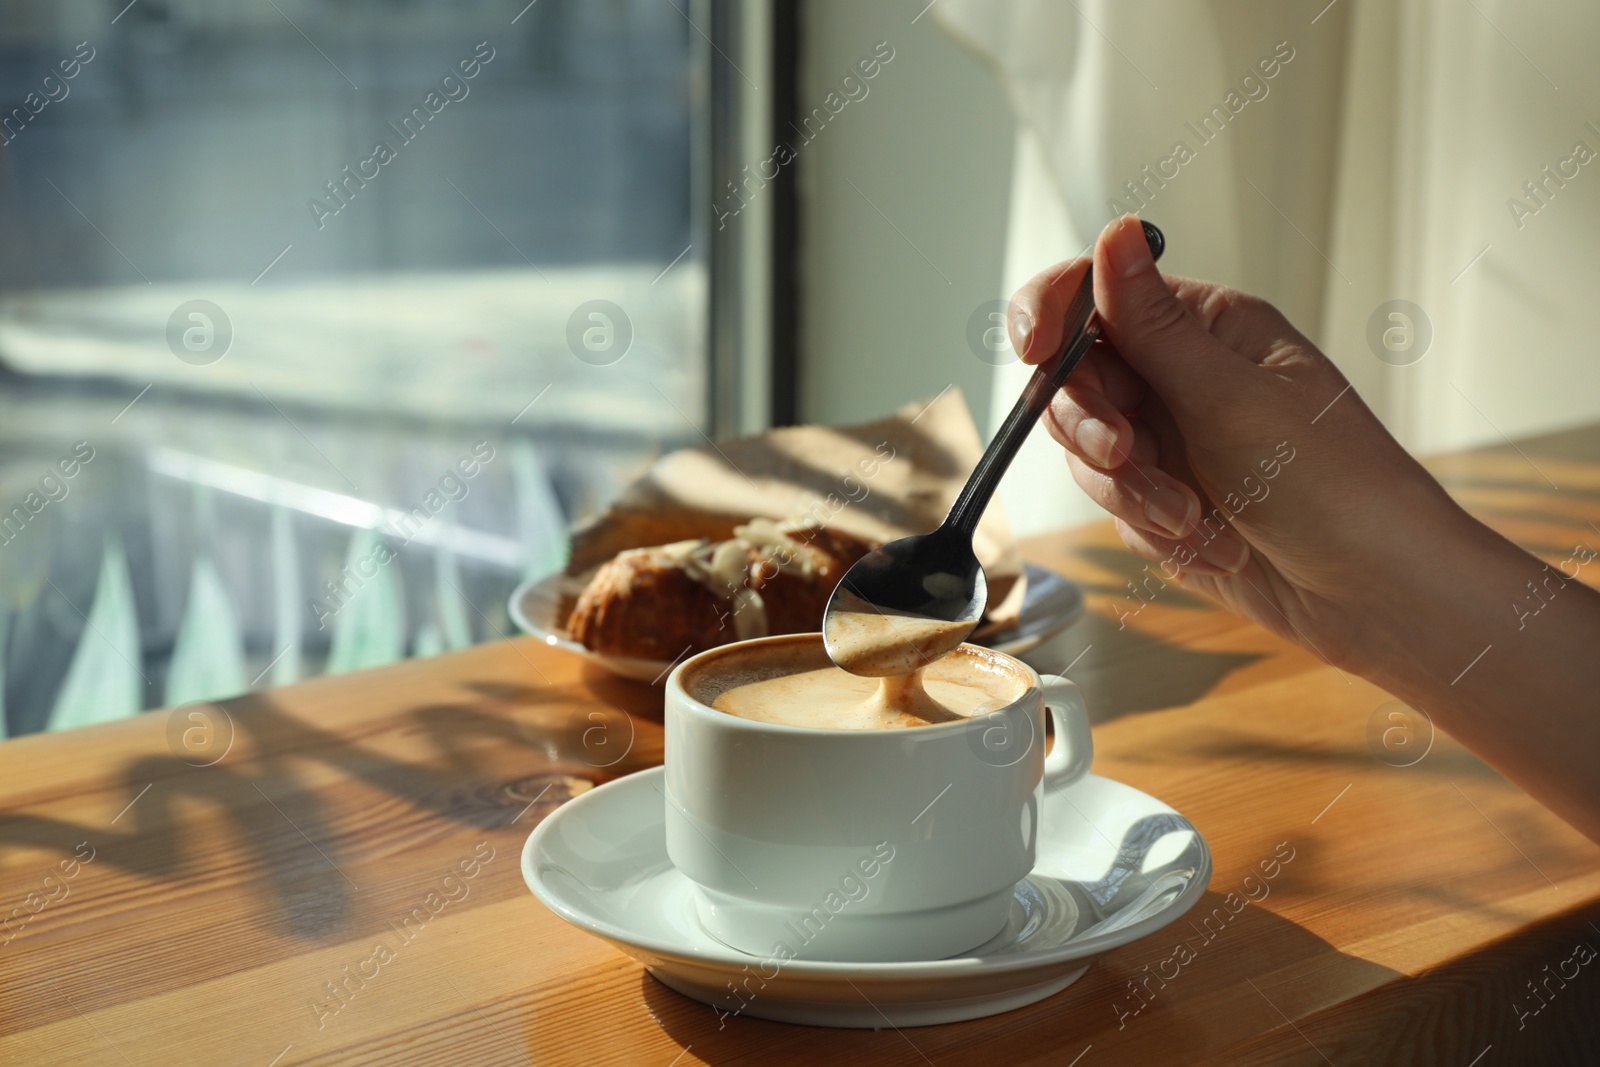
(968, 681)
(707, 681)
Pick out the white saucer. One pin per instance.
(1114, 866)
(1050, 604)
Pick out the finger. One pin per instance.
(1243, 323)
(1147, 498)
(1086, 423)
(1156, 333)
(1137, 443)
(1110, 374)
(1089, 413)
(1225, 554)
(1039, 308)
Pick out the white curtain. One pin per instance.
(1357, 153)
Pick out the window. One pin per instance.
(319, 322)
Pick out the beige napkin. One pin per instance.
(878, 481)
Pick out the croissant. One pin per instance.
(667, 601)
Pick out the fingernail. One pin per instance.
(1228, 551)
(1098, 441)
(1126, 246)
(1169, 509)
(1021, 331)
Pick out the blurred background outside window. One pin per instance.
(289, 288)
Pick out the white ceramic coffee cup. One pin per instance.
(861, 845)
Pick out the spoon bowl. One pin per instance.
(906, 604)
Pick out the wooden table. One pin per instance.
(211, 909)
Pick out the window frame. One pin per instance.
(751, 63)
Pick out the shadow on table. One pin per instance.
(1448, 761)
(1145, 577)
(1496, 1006)
(1124, 671)
(1123, 1006)
(273, 815)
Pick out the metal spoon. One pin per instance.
(908, 603)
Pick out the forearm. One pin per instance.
(1501, 650)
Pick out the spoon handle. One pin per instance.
(1081, 332)
(1042, 385)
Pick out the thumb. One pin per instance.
(1154, 332)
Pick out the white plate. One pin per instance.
(1050, 605)
(1114, 865)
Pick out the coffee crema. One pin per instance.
(793, 683)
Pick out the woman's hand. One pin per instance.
(1237, 458)
(1230, 450)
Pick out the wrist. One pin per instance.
(1444, 597)
(1497, 647)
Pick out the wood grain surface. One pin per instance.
(190, 886)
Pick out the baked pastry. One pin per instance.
(662, 602)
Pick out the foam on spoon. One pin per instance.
(894, 649)
(871, 643)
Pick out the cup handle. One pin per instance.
(1069, 760)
